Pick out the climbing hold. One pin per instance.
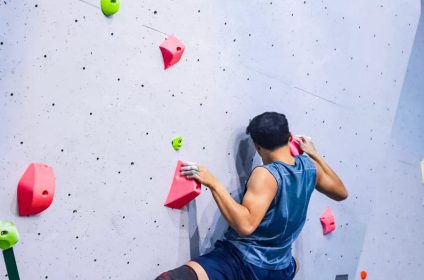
(172, 49)
(422, 170)
(182, 190)
(364, 275)
(110, 7)
(177, 143)
(36, 189)
(328, 222)
(9, 235)
(294, 146)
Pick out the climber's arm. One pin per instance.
(328, 182)
(244, 218)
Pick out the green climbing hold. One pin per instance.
(177, 143)
(9, 235)
(110, 7)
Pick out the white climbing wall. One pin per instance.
(394, 245)
(88, 95)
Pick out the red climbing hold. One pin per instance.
(294, 146)
(364, 275)
(36, 189)
(328, 222)
(172, 49)
(182, 190)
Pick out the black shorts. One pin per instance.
(225, 262)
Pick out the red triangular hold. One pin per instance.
(328, 221)
(36, 189)
(182, 190)
(294, 146)
(172, 49)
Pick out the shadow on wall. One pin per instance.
(244, 163)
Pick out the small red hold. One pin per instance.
(182, 190)
(36, 189)
(328, 222)
(172, 49)
(294, 146)
(364, 275)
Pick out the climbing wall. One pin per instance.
(88, 95)
(396, 222)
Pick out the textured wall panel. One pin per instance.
(88, 95)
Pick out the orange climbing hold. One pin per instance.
(364, 275)
(328, 222)
(36, 189)
(172, 49)
(182, 190)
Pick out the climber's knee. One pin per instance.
(181, 273)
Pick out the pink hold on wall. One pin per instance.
(172, 50)
(294, 146)
(182, 190)
(328, 221)
(36, 189)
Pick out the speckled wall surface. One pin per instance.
(88, 95)
(394, 243)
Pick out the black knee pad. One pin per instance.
(181, 273)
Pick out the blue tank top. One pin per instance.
(269, 246)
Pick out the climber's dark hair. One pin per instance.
(269, 130)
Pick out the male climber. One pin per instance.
(273, 210)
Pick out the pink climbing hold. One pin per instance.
(172, 49)
(328, 222)
(36, 189)
(182, 190)
(294, 146)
